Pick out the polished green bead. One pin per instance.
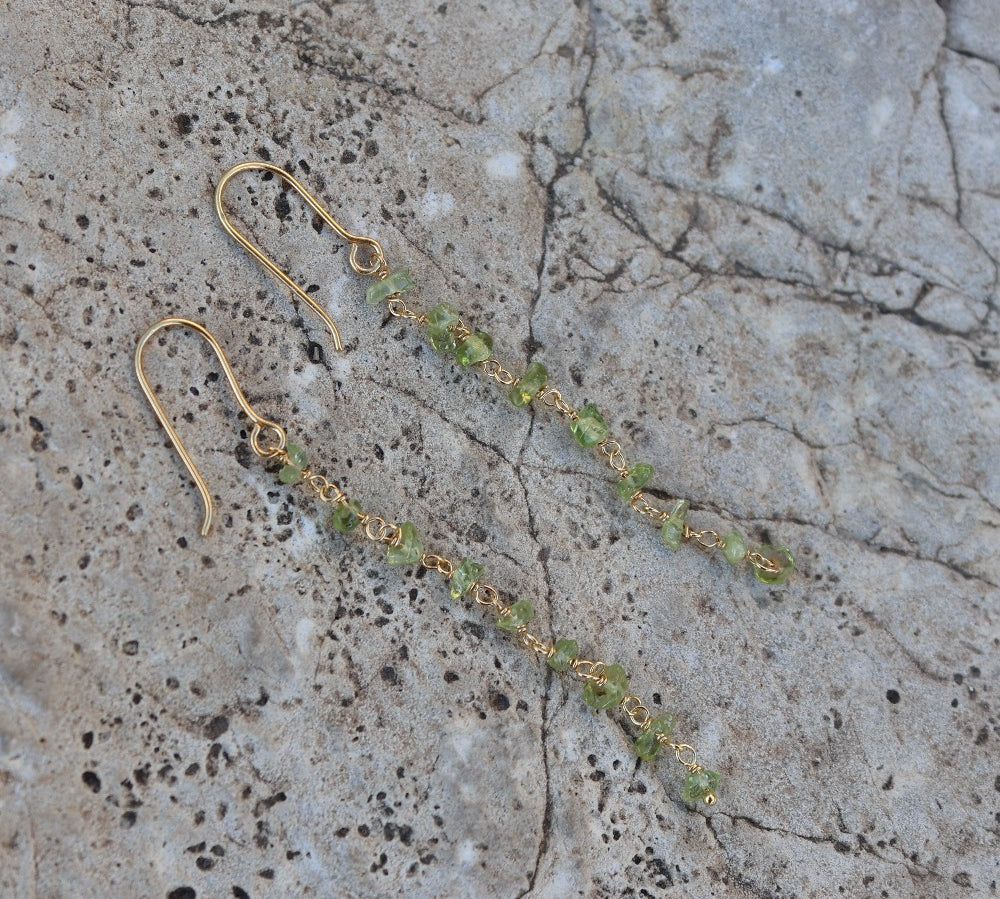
(635, 479)
(519, 615)
(296, 455)
(566, 651)
(442, 316)
(397, 281)
(610, 693)
(734, 547)
(783, 556)
(346, 517)
(289, 474)
(407, 549)
(589, 427)
(463, 577)
(699, 784)
(474, 349)
(672, 532)
(535, 377)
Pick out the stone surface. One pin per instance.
(763, 238)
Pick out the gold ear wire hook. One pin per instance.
(260, 423)
(374, 265)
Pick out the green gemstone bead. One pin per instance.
(699, 784)
(289, 474)
(535, 377)
(346, 517)
(475, 349)
(442, 316)
(610, 693)
(408, 549)
(783, 556)
(296, 455)
(734, 547)
(397, 281)
(463, 577)
(589, 427)
(636, 478)
(442, 340)
(672, 532)
(647, 744)
(520, 614)
(566, 651)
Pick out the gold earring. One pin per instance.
(605, 686)
(449, 335)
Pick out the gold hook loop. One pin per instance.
(375, 264)
(260, 423)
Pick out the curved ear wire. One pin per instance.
(374, 264)
(260, 424)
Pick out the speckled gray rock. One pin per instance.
(762, 237)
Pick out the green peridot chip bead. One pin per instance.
(783, 557)
(699, 784)
(296, 455)
(397, 281)
(474, 349)
(439, 320)
(407, 549)
(289, 474)
(635, 479)
(519, 615)
(463, 577)
(672, 532)
(647, 744)
(589, 427)
(566, 651)
(535, 377)
(734, 547)
(346, 517)
(610, 693)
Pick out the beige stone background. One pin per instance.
(762, 236)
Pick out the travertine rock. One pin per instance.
(762, 238)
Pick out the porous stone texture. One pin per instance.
(761, 237)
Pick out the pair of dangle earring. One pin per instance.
(449, 335)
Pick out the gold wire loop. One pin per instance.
(373, 264)
(260, 424)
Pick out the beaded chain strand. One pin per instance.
(605, 686)
(450, 336)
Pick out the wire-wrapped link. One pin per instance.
(551, 396)
(438, 563)
(492, 368)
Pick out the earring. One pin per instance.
(605, 686)
(450, 336)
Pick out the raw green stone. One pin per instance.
(566, 651)
(442, 340)
(535, 377)
(610, 693)
(289, 474)
(463, 577)
(647, 744)
(345, 517)
(296, 455)
(636, 478)
(672, 532)
(699, 784)
(439, 320)
(397, 281)
(734, 547)
(783, 556)
(589, 427)
(474, 349)
(520, 614)
(407, 549)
